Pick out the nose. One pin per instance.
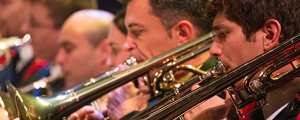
(60, 57)
(25, 27)
(216, 49)
(129, 44)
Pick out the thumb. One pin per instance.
(228, 98)
(142, 86)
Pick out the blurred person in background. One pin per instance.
(46, 18)
(116, 37)
(84, 49)
(22, 66)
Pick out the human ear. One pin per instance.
(272, 29)
(184, 31)
(104, 50)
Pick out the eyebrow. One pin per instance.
(216, 28)
(219, 26)
(134, 24)
(66, 43)
(112, 43)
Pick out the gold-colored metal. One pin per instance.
(6, 103)
(215, 72)
(67, 102)
(5, 45)
(41, 84)
(165, 80)
(282, 55)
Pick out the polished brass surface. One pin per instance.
(215, 72)
(273, 60)
(5, 45)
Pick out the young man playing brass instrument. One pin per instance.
(247, 28)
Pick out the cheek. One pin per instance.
(160, 47)
(36, 36)
(83, 56)
(74, 61)
(234, 52)
(35, 40)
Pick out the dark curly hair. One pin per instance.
(252, 15)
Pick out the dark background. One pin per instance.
(109, 5)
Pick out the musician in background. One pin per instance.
(116, 37)
(84, 48)
(12, 16)
(248, 28)
(13, 13)
(45, 21)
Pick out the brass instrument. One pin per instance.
(44, 82)
(67, 102)
(5, 44)
(215, 72)
(280, 56)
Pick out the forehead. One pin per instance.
(7, 2)
(71, 31)
(115, 32)
(7, 5)
(139, 12)
(221, 22)
(40, 11)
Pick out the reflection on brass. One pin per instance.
(63, 104)
(31, 109)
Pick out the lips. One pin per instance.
(226, 67)
(138, 59)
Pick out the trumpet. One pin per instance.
(280, 56)
(67, 102)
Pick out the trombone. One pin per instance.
(67, 102)
(280, 56)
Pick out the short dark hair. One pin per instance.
(119, 21)
(252, 15)
(60, 10)
(172, 11)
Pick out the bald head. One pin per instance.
(83, 49)
(92, 23)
